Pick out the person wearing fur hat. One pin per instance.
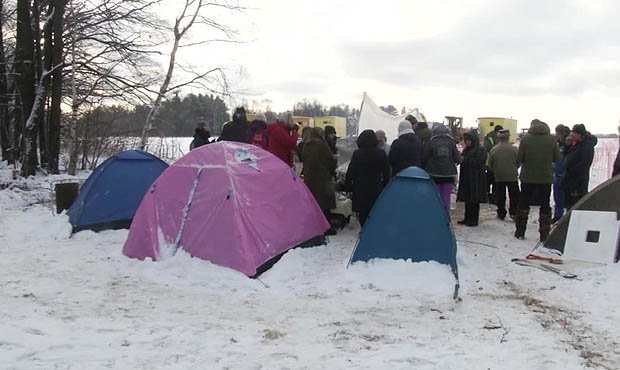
(282, 138)
(472, 179)
(503, 163)
(439, 160)
(406, 151)
(367, 175)
(538, 151)
(577, 165)
(236, 130)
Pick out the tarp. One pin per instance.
(110, 196)
(372, 117)
(233, 204)
(408, 222)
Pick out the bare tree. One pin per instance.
(5, 142)
(109, 47)
(193, 13)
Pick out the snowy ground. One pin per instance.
(77, 303)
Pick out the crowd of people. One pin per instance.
(491, 169)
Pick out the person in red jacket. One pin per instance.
(283, 138)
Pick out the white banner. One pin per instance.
(372, 117)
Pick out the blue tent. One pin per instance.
(408, 221)
(110, 196)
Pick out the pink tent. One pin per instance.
(233, 204)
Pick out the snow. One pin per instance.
(75, 302)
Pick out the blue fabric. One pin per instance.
(115, 189)
(559, 198)
(408, 221)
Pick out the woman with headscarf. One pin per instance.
(367, 175)
(472, 180)
(319, 170)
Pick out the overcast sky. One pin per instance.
(557, 60)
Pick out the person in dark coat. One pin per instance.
(562, 132)
(490, 140)
(577, 165)
(538, 151)
(367, 175)
(258, 131)
(420, 128)
(439, 160)
(201, 136)
(238, 129)
(305, 136)
(616, 170)
(472, 179)
(319, 170)
(330, 138)
(406, 151)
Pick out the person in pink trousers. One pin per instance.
(439, 159)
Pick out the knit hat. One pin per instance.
(503, 134)
(404, 127)
(260, 117)
(580, 129)
(498, 128)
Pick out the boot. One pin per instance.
(544, 226)
(521, 223)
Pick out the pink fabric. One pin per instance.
(240, 213)
(445, 189)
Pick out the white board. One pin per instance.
(592, 237)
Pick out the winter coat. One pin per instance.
(235, 131)
(368, 172)
(558, 167)
(258, 134)
(440, 155)
(490, 140)
(406, 151)
(319, 169)
(423, 132)
(472, 177)
(201, 137)
(331, 143)
(281, 142)
(617, 165)
(538, 151)
(577, 165)
(503, 162)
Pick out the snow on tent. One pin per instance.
(408, 222)
(110, 196)
(232, 204)
(603, 198)
(373, 118)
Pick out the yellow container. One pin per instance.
(339, 123)
(487, 124)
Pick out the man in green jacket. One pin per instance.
(538, 151)
(503, 164)
(490, 140)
